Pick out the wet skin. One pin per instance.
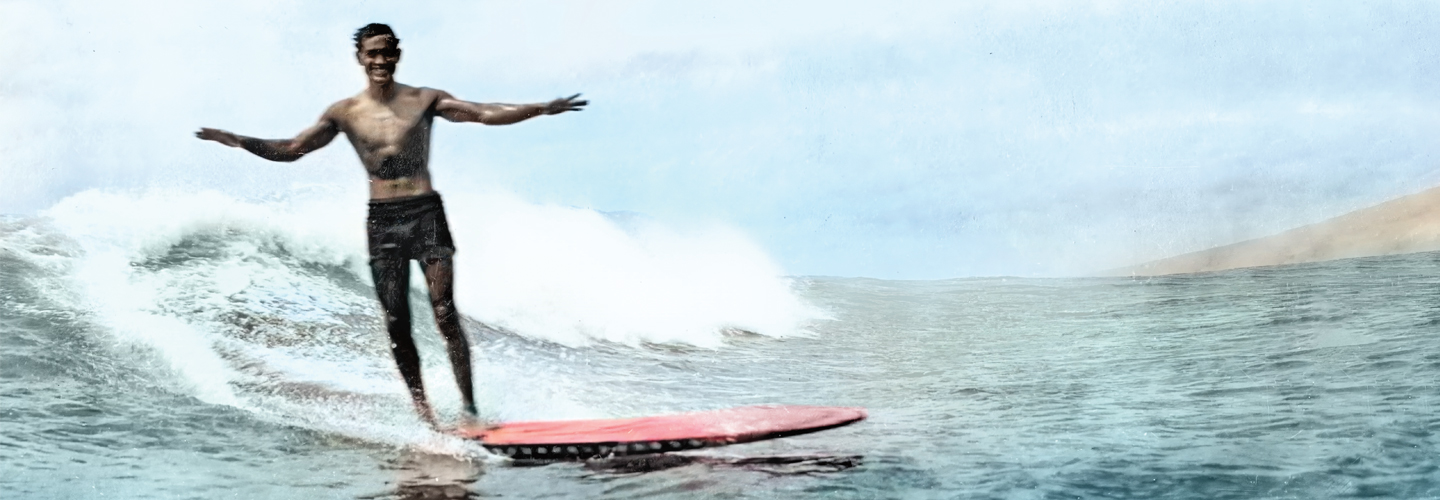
(389, 124)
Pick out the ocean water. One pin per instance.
(191, 345)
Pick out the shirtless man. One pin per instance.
(389, 126)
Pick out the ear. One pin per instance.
(358, 60)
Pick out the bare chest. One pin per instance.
(374, 125)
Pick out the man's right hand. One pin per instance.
(564, 104)
(220, 136)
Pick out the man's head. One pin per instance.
(377, 49)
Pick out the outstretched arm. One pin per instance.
(457, 110)
(287, 150)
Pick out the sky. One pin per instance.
(920, 140)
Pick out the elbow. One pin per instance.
(495, 121)
(284, 156)
(288, 154)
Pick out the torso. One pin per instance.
(392, 138)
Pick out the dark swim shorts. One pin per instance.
(412, 227)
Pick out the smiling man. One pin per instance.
(389, 126)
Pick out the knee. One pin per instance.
(445, 311)
(397, 318)
(405, 353)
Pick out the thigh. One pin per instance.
(431, 240)
(392, 279)
(440, 276)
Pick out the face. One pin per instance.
(378, 54)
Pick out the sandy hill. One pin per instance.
(1402, 225)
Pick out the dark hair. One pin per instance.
(374, 29)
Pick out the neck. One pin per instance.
(381, 91)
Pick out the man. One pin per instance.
(389, 126)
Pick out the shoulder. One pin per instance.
(339, 110)
(411, 91)
(435, 98)
(430, 94)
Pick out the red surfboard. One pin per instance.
(581, 439)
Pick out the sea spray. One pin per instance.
(266, 305)
(573, 276)
(561, 274)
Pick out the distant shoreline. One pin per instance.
(1407, 224)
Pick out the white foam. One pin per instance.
(125, 305)
(572, 275)
(560, 274)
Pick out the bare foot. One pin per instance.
(471, 421)
(427, 415)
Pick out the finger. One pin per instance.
(579, 103)
(571, 98)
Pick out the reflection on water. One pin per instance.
(423, 476)
(773, 465)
